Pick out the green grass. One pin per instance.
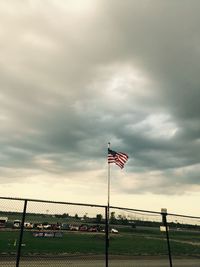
(185, 235)
(134, 242)
(69, 243)
(152, 243)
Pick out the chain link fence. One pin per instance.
(46, 233)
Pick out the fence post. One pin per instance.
(164, 219)
(106, 235)
(21, 234)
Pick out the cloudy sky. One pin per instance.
(76, 74)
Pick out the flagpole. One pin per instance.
(119, 159)
(108, 183)
(108, 213)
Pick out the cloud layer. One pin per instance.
(74, 77)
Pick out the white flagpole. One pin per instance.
(108, 183)
(108, 213)
(108, 208)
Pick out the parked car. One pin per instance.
(47, 226)
(65, 226)
(73, 227)
(28, 225)
(17, 224)
(55, 226)
(114, 231)
(39, 226)
(83, 227)
(93, 228)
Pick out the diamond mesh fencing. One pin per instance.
(145, 238)
(47, 233)
(54, 234)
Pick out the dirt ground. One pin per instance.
(138, 262)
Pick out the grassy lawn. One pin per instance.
(151, 243)
(134, 242)
(69, 243)
(184, 235)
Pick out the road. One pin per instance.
(100, 263)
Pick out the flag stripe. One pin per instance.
(118, 158)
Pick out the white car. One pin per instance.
(114, 231)
(73, 227)
(46, 226)
(40, 226)
(16, 224)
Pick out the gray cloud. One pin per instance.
(123, 72)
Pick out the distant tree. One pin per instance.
(119, 217)
(76, 216)
(85, 216)
(65, 215)
(99, 218)
(112, 217)
(122, 219)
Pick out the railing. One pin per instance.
(51, 233)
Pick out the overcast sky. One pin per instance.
(76, 74)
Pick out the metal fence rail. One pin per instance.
(52, 233)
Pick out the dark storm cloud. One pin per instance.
(126, 72)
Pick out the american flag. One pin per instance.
(118, 158)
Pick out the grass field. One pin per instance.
(127, 242)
